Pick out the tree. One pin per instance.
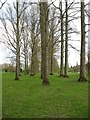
(25, 49)
(44, 39)
(25, 41)
(17, 41)
(82, 76)
(89, 39)
(66, 43)
(51, 40)
(34, 40)
(13, 31)
(62, 44)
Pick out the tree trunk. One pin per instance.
(51, 72)
(66, 43)
(34, 58)
(51, 63)
(52, 46)
(62, 45)
(17, 45)
(82, 56)
(42, 62)
(44, 39)
(49, 56)
(32, 72)
(25, 39)
(26, 61)
(41, 30)
(89, 41)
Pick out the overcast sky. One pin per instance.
(74, 56)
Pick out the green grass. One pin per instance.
(27, 98)
(0, 95)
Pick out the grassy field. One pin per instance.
(27, 98)
(0, 95)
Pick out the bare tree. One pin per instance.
(53, 40)
(66, 42)
(82, 56)
(44, 39)
(13, 34)
(62, 43)
(17, 42)
(34, 29)
(25, 41)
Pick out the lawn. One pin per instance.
(0, 95)
(27, 98)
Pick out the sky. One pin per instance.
(74, 56)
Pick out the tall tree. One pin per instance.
(82, 55)
(66, 42)
(51, 41)
(89, 39)
(13, 31)
(26, 47)
(62, 43)
(34, 47)
(25, 41)
(44, 39)
(34, 31)
(17, 43)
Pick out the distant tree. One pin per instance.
(55, 66)
(34, 39)
(52, 41)
(25, 41)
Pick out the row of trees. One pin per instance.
(38, 34)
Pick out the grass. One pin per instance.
(27, 98)
(0, 95)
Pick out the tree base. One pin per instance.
(65, 76)
(45, 83)
(82, 79)
(41, 77)
(19, 74)
(26, 73)
(51, 73)
(61, 75)
(16, 78)
(32, 74)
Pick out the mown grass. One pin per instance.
(27, 98)
(0, 95)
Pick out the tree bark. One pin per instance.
(41, 31)
(52, 46)
(32, 72)
(66, 43)
(44, 39)
(62, 45)
(34, 48)
(26, 60)
(82, 55)
(17, 44)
